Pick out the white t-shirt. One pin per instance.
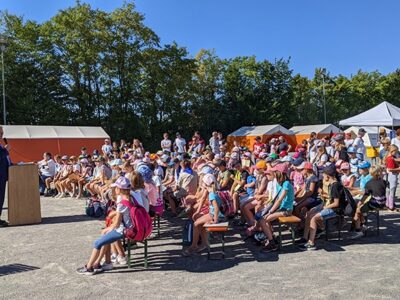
(48, 169)
(349, 143)
(166, 144)
(396, 141)
(359, 145)
(180, 144)
(106, 148)
(158, 183)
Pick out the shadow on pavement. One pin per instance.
(15, 268)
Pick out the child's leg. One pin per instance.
(235, 199)
(106, 239)
(248, 214)
(119, 248)
(317, 219)
(266, 225)
(204, 237)
(197, 228)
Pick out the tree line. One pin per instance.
(89, 67)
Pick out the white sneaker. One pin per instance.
(121, 260)
(356, 235)
(63, 195)
(107, 267)
(114, 258)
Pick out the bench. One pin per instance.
(339, 227)
(129, 245)
(219, 228)
(156, 223)
(374, 212)
(290, 220)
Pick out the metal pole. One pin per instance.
(323, 97)
(4, 90)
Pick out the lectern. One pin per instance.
(23, 195)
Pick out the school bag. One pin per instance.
(351, 204)
(141, 221)
(226, 208)
(187, 235)
(94, 208)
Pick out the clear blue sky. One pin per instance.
(341, 35)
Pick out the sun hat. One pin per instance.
(208, 179)
(345, 166)
(364, 165)
(280, 168)
(261, 164)
(122, 183)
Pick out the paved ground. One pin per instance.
(39, 262)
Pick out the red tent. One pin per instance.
(28, 143)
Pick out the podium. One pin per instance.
(23, 195)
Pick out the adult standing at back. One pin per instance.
(106, 148)
(4, 164)
(214, 143)
(396, 140)
(166, 143)
(180, 144)
(283, 145)
(359, 144)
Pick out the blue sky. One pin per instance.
(341, 35)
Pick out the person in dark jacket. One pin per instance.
(4, 164)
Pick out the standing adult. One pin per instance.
(396, 140)
(180, 144)
(214, 143)
(283, 145)
(47, 169)
(5, 162)
(106, 148)
(359, 144)
(166, 143)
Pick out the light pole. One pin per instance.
(3, 46)
(323, 92)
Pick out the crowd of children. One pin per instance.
(209, 182)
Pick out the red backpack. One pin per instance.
(141, 221)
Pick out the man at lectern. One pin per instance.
(4, 164)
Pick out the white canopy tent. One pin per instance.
(261, 130)
(371, 137)
(318, 129)
(384, 114)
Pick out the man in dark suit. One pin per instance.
(4, 164)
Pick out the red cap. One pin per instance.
(280, 168)
(282, 154)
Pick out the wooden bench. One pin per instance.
(220, 228)
(290, 220)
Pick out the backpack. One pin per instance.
(351, 205)
(187, 235)
(95, 209)
(141, 221)
(226, 208)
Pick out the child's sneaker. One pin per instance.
(301, 241)
(107, 267)
(85, 271)
(308, 247)
(122, 261)
(269, 247)
(114, 258)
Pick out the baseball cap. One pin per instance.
(84, 161)
(298, 161)
(122, 183)
(65, 157)
(308, 166)
(263, 155)
(330, 170)
(206, 169)
(247, 154)
(282, 154)
(361, 130)
(320, 144)
(287, 158)
(160, 153)
(364, 165)
(146, 173)
(301, 166)
(338, 137)
(234, 155)
(261, 164)
(130, 150)
(351, 150)
(274, 156)
(208, 179)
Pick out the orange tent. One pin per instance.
(28, 143)
(322, 130)
(246, 135)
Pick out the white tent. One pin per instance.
(261, 130)
(56, 132)
(371, 137)
(384, 114)
(318, 129)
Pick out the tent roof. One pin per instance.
(261, 130)
(369, 130)
(384, 114)
(319, 128)
(52, 132)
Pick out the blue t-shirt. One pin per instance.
(363, 181)
(214, 197)
(287, 202)
(250, 190)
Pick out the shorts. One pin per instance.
(243, 200)
(107, 239)
(260, 214)
(327, 213)
(220, 219)
(286, 213)
(313, 203)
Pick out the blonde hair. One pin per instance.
(137, 181)
(376, 171)
(391, 148)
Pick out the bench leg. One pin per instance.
(158, 225)
(326, 230)
(377, 222)
(129, 253)
(339, 227)
(145, 253)
(209, 246)
(293, 234)
(280, 235)
(223, 244)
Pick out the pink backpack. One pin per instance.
(141, 221)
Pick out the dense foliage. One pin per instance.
(89, 67)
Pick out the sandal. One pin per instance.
(202, 248)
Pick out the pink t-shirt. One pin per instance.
(152, 192)
(298, 180)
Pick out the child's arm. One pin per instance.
(116, 222)
(334, 204)
(216, 211)
(278, 201)
(250, 185)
